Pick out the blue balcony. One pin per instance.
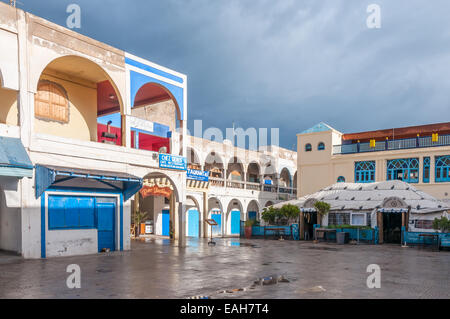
(391, 145)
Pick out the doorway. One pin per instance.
(310, 221)
(392, 228)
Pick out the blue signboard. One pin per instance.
(172, 162)
(197, 175)
(267, 182)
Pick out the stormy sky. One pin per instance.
(287, 64)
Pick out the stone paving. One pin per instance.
(159, 269)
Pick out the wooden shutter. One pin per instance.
(51, 103)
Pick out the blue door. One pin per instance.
(217, 230)
(193, 223)
(235, 222)
(106, 225)
(252, 215)
(165, 223)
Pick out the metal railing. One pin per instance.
(407, 143)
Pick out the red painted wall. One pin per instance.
(115, 130)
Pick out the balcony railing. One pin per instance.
(407, 143)
(220, 182)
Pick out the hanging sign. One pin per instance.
(147, 191)
(197, 175)
(172, 162)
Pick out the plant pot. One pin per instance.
(248, 232)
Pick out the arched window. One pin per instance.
(51, 102)
(365, 172)
(404, 169)
(341, 179)
(308, 148)
(442, 168)
(321, 146)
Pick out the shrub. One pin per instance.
(269, 215)
(250, 223)
(442, 224)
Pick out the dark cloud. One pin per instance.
(286, 64)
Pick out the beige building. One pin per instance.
(419, 155)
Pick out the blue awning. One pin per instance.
(47, 176)
(14, 160)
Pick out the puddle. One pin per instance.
(324, 248)
(237, 244)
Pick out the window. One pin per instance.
(69, 212)
(341, 179)
(338, 219)
(405, 169)
(51, 102)
(365, 172)
(321, 146)
(423, 224)
(358, 219)
(426, 169)
(308, 148)
(442, 168)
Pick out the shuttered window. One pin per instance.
(51, 103)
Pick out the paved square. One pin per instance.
(158, 269)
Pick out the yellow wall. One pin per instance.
(8, 107)
(319, 169)
(82, 111)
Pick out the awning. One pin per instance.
(393, 210)
(47, 176)
(14, 160)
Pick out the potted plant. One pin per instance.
(322, 210)
(248, 228)
(138, 217)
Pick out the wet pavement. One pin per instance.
(234, 268)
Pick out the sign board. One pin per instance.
(211, 222)
(147, 191)
(267, 182)
(172, 162)
(197, 175)
(140, 124)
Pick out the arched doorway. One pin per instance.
(253, 176)
(235, 214)
(235, 172)
(156, 203)
(76, 98)
(193, 219)
(193, 160)
(253, 210)
(215, 212)
(214, 164)
(391, 217)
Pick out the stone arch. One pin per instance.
(232, 224)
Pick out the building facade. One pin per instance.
(419, 155)
(90, 134)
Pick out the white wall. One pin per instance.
(10, 218)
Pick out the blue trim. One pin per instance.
(442, 169)
(405, 167)
(148, 68)
(43, 227)
(426, 165)
(365, 172)
(121, 222)
(138, 80)
(63, 189)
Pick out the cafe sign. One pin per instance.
(155, 190)
(172, 162)
(197, 175)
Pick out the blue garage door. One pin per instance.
(166, 223)
(193, 223)
(235, 222)
(217, 230)
(106, 226)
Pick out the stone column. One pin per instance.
(380, 227)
